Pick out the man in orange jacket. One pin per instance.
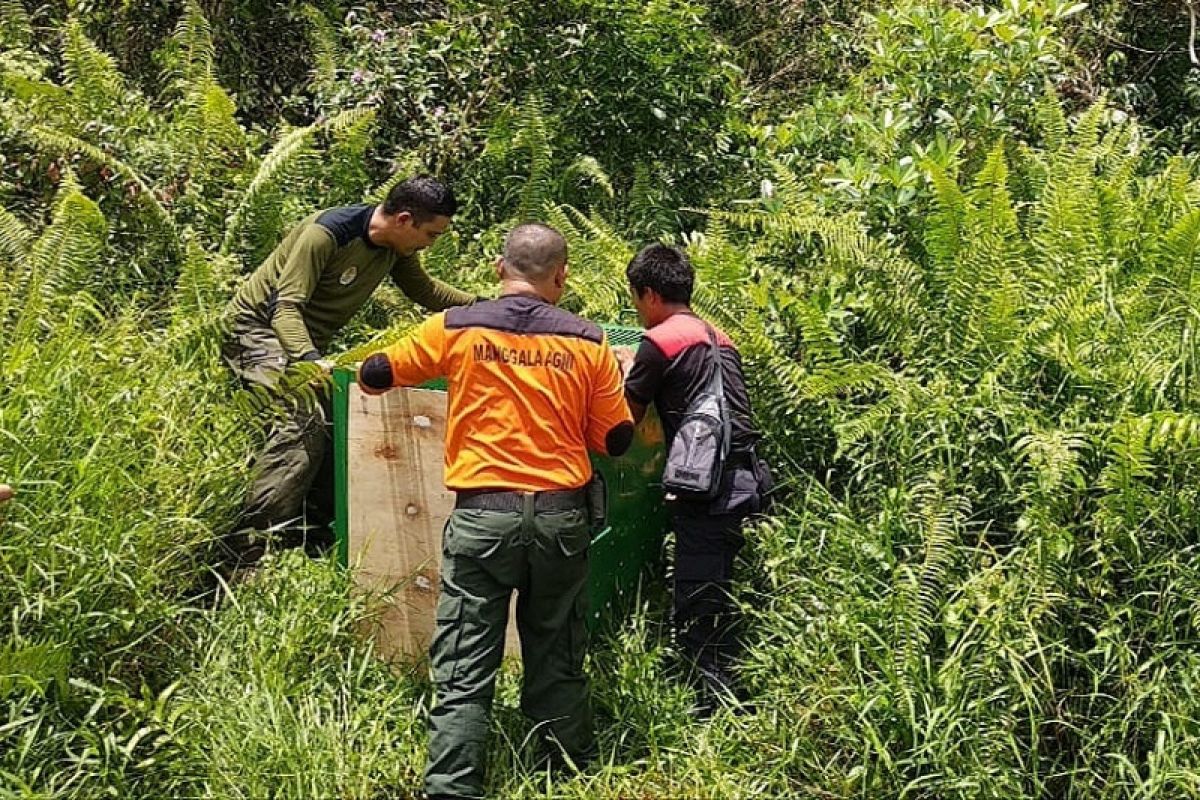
(532, 388)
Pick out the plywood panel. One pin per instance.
(397, 508)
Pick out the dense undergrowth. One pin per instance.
(968, 309)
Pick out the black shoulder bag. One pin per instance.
(696, 457)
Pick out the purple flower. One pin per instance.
(437, 112)
(358, 76)
(378, 35)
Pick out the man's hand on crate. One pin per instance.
(624, 356)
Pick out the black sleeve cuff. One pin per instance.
(376, 372)
(311, 355)
(617, 440)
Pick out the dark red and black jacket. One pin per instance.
(673, 364)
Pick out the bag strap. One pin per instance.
(715, 349)
(718, 382)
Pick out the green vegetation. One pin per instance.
(965, 283)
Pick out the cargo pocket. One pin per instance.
(477, 534)
(443, 650)
(569, 528)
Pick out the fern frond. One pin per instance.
(195, 53)
(346, 178)
(91, 74)
(1172, 190)
(946, 227)
(845, 380)
(598, 257)
(922, 585)
(15, 238)
(1052, 122)
(641, 197)
(789, 188)
(16, 27)
(781, 380)
(1175, 285)
(900, 305)
(1085, 141)
(1064, 322)
(1067, 237)
(15, 243)
(843, 237)
(63, 254)
(984, 295)
(199, 286)
(60, 260)
(61, 143)
(725, 269)
(30, 90)
(207, 129)
(991, 196)
(1177, 253)
(595, 229)
(533, 136)
(1171, 430)
(1128, 445)
(588, 168)
(1054, 457)
(1031, 166)
(1134, 441)
(283, 159)
(406, 166)
(822, 344)
(872, 422)
(323, 40)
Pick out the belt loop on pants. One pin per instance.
(527, 510)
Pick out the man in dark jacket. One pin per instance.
(291, 307)
(672, 365)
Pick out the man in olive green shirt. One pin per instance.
(291, 307)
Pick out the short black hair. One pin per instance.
(422, 196)
(664, 269)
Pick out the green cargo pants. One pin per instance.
(298, 442)
(486, 555)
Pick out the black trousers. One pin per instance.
(705, 618)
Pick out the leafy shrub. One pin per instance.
(632, 85)
(939, 82)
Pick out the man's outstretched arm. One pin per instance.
(416, 358)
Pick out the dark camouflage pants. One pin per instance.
(486, 555)
(294, 464)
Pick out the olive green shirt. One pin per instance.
(322, 273)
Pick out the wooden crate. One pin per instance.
(392, 506)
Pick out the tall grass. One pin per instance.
(125, 456)
(283, 699)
